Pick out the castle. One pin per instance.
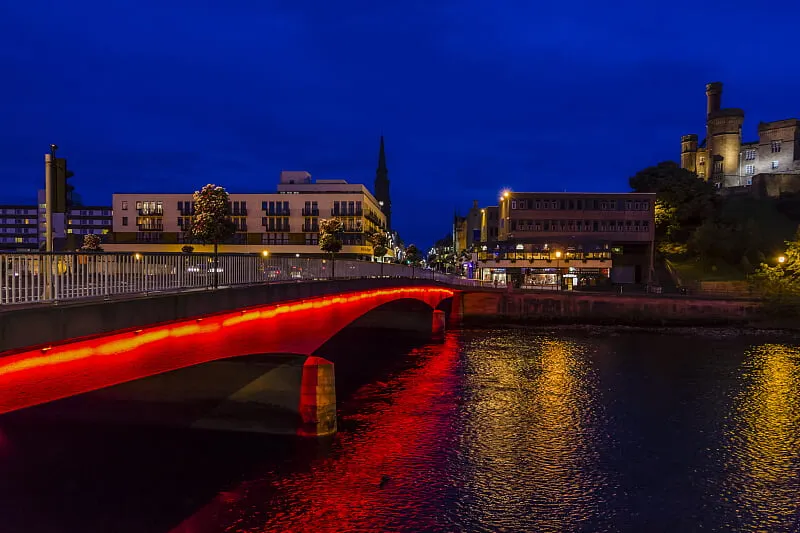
(772, 162)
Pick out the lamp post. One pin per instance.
(782, 259)
(49, 196)
(558, 268)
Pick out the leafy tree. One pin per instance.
(413, 258)
(330, 240)
(780, 282)
(413, 255)
(379, 242)
(683, 201)
(211, 222)
(91, 243)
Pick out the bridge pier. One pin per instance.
(438, 325)
(317, 398)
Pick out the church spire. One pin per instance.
(382, 186)
(382, 160)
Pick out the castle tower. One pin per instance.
(723, 135)
(689, 152)
(382, 187)
(713, 97)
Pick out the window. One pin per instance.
(748, 181)
(717, 166)
(774, 165)
(776, 146)
(513, 204)
(124, 221)
(124, 205)
(750, 169)
(138, 205)
(749, 155)
(180, 206)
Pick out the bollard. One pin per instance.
(317, 398)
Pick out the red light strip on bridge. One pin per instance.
(24, 373)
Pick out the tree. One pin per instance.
(413, 258)
(91, 243)
(780, 284)
(683, 201)
(379, 242)
(211, 222)
(330, 240)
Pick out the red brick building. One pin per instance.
(567, 240)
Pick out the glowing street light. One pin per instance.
(265, 253)
(782, 259)
(558, 254)
(137, 256)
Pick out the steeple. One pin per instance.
(382, 186)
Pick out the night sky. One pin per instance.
(472, 96)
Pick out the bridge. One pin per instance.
(76, 323)
(71, 324)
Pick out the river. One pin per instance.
(496, 429)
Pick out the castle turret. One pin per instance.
(724, 142)
(689, 152)
(713, 97)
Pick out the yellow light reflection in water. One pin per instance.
(764, 480)
(532, 421)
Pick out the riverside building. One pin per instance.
(281, 223)
(567, 240)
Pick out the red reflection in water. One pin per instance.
(45, 374)
(342, 492)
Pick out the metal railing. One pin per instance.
(53, 277)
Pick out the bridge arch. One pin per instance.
(42, 374)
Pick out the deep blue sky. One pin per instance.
(472, 96)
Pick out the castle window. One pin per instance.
(776, 147)
(774, 165)
(513, 204)
(750, 169)
(749, 155)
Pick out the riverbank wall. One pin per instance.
(605, 309)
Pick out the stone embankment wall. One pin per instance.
(605, 309)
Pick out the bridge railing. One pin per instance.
(51, 277)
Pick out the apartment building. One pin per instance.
(18, 225)
(552, 240)
(283, 223)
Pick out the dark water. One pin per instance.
(494, 430)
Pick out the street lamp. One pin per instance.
(558, 268)
(265, 254)
(782, 259)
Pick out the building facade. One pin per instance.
(18, 228)
(568, 240)
(724, 158)
(467, 229)
(22, 227)
(282, 223)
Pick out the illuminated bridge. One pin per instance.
(73, 324)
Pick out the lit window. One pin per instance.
(774, 165)
(748, 181)
(749, 155)
(69, 231)
(18, 239)
(124, 205)
(750, 169)
(776, 147)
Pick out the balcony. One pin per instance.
(150, 227)
(277, 213)
(310, 228)
(241, 212)
(150, 212)
(310, 212)
(347, 213)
